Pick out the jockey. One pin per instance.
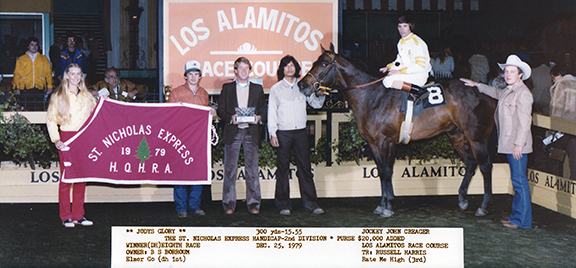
(409, 71)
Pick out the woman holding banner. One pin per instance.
(70, 106)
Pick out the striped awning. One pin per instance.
(413, 5)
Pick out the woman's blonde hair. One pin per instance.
(59, 107)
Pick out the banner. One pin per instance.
(217, 32)
(137, 143)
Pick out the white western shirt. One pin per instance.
(287, 107)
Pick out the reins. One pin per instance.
(318, 82)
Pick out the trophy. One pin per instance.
(245, 114)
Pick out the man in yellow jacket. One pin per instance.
(32, 78)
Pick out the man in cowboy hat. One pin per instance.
(191, 92)
(514, 121)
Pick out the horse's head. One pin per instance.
(324, 73)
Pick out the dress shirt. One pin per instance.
(242, 93)
(287, 107)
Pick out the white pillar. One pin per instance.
(115, 55)
(143, 35)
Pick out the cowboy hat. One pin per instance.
(515, 61)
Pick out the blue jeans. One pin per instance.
(181, 196)
(521, 204)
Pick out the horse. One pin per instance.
(467, 118)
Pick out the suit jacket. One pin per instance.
(513, 116)
(124, 86)
(229, 100)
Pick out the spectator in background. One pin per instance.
(479, 66)
(376, 51)
(9, 53)
(541, 84)
(90, 46)
(71, 55)
(241, 94)
(22, 46)
(523, 54)
(191, 92)
(443, 66)
(568, 61)
(356, 48)
(55, 50)
(563, 105)
(563, 93)
(32, 78)
(116, 88)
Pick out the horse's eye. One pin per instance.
(324, 64)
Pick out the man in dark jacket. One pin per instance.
(241, 131)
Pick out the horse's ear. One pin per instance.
(331, 47)
(323, 49)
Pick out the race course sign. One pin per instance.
(136, 143)
(217, 32)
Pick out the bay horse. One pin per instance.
(467, 118)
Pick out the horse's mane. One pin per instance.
(360, 65)
(357, 63)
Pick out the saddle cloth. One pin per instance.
(434, 97)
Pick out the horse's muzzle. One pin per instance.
(307, 90)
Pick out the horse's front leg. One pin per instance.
(385, 164)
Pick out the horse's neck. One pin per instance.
(361, 100)
(357, 78)
(359, 97)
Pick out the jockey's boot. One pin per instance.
(413, 89)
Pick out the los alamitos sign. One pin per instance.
(217, 32)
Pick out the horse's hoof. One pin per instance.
(387, 213)
(379, 210)
(480, 212)
(463, 205)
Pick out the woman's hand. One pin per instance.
(517, 152)
(59, 145)
(469, 83)
(384, 69)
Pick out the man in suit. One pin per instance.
(239, 94)
(118, 89)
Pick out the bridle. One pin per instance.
(318, 84)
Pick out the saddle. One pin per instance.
(434, 97)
